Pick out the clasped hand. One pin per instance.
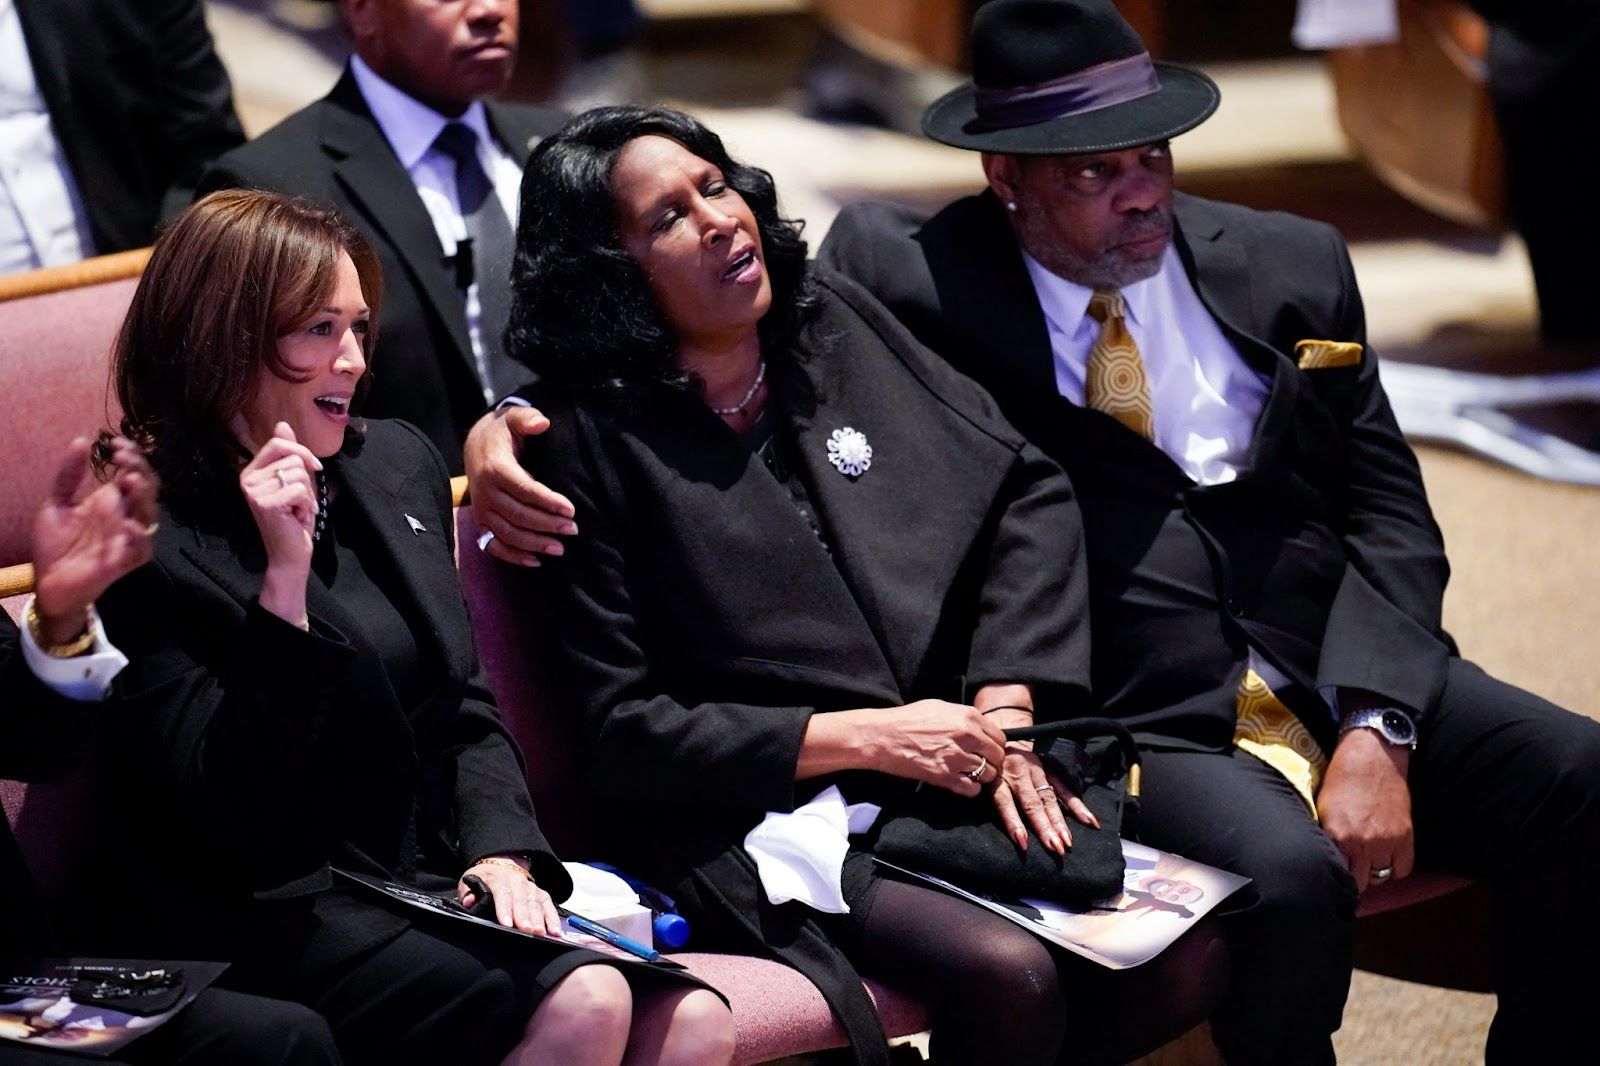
(279, 484)
(948, 744)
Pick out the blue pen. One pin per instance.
(610, 936)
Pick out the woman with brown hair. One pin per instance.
(303, 695)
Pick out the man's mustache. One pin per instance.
(1152, 224)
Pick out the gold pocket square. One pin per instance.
(1324, 355)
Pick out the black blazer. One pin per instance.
(138, 101)
(247, 755)
(1324, 555)
(333, 152)
(701, 621)
(46, 735)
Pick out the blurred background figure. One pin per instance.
(109, 110)
(1542, 59)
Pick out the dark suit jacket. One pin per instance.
(333, 152)
(138, 101)
(248, 755)
(1324, 556)
(702, 622)
(45, 736)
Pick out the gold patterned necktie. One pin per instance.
(1270, 731)
(1114, 381)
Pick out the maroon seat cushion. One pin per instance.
(56, 351)
(1418, 888)
(498, 595)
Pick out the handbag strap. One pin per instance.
(1080, 728)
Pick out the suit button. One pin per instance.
(1234, 607)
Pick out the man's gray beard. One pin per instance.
(1107, 272)
(1119, 275)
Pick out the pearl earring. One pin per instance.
(1011, 205)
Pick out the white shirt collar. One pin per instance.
(1066, 303)
(410, 126)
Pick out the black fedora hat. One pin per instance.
(1065, 77)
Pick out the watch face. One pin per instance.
(1399, 727)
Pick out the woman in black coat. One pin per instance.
(811, 554)
(303, 694)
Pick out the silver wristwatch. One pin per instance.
(1390, 723)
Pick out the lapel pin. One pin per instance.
(416, 527)
(849, 452)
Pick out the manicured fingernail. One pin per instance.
(530, 562)
(555, 549)
(570, 527)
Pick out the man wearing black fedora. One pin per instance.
(1266, 575)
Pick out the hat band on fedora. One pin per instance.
(1114, 82)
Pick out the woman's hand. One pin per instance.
(279, 484)
(518, 902)
(1024, 785)
(946, 744)
(84, 539)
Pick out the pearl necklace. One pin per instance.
(322, 506)
(750, 393)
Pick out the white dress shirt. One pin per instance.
(87, 677)
(1205, 398)
(42, 220)
(411, 128)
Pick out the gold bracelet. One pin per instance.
(72, 648)
(495, 860)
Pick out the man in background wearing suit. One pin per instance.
(1266, 574)
(109, 110)
(407, 148)
(55, 678)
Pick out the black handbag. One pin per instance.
(961, 840)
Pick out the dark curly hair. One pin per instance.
(582, 315)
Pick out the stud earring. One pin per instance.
(1011, 205)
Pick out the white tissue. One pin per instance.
(800, 855)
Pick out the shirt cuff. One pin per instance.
(86, 678)
(512, 401)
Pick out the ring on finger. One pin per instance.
(485, 539)
(1045, 790)
(1380, 874)
(983, 768)
(283, 479)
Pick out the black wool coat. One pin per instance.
(1324, 555)
(701, 622)
(247, 755)
(333, 152)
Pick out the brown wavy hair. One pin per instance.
(227, 279)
